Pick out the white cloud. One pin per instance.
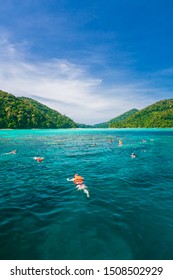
(70, 88)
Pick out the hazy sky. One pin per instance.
(89, 59)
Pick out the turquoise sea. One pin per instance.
(129, 214)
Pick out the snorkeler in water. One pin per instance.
(79, 182)
(120, 143)
(13, 152)
(39, 159)
(133, 155)
(10, 153)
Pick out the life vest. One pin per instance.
(78, 179)
(39, 159)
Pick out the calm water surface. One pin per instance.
(129, 214)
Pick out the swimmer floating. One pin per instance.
(79, 182)
(133, 155)
(39, 159)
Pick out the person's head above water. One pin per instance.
(133, 155)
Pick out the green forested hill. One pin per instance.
(159, 114)
(21, 112)
(117, 119)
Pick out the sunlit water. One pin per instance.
(129, 214)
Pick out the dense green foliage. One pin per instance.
(21, 112)
(117, 119)
(159, 114)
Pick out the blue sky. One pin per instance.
(90, 59)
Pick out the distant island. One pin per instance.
(26, 113)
